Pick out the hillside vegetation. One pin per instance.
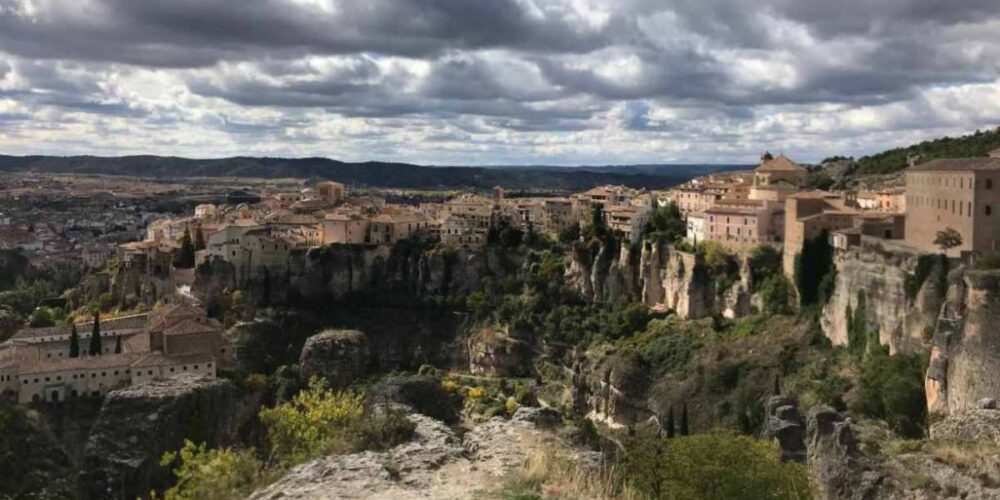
(977, 144)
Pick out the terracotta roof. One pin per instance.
(780, 164)
(957, 164)
(157, 358)
(189, 327)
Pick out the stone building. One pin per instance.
(35, 363)
(776, 178)
(958, 193)
(808, 214)
(741, 225)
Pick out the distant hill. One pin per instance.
(373, 174)
(977, 144)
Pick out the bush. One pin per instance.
(776, 294)
(380, 429)
(892, 388)
(712, 466)
(764, 261)
(313, 423)
(204, 474)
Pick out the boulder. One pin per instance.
(494, 353)
(539, 416)
(339, 356)
(421, 392)
(786, 423)
(138, 424)
(840, 470)
(987, 404)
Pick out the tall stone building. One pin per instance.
(958, 193)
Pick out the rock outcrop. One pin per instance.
(660, 277)
(965, 357)
(841, 471)
(420, 392)
(971, 426)
(340, 356)
(138, 424)
(436, 463)
(617, 390)
(879, 288)
(495, 353)
(787, 425)
(32, 460)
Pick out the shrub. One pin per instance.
(314, 422)
(712, 466)
(380, 429)
(892, 388)
(776, 294)
(204, 474)
(764, 261)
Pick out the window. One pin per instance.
(989, 210)
(989, 183)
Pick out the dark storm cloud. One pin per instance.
(457, 69)
(188, 33)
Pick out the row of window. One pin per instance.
(739, 232)
(955, 206)
(75, 376)
(959, 182)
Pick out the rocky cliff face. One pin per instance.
(333, 271)
(138, 424)
(658, 276)
(917, 303)
(965, 356)
(880, 288)
(341, 357)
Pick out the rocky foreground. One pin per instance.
(437, 463)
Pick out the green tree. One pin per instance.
(775, 294)
(199, 239)
(892, 388)
(74, 342)
(812, 265)
(597, 217)
(712, 466)
(666, 223)
(118, 344)
(947, 239)
(211, 474)
(42, 317)
(95, 336)
(184, 256)
(764, 261)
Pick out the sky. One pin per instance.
(466, 82)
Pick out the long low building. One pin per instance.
(35, 364)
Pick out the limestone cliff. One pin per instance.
(886, 292)
(659, 276)
(965, 356)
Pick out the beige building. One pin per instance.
(630, 220)
(174, 340)
(741, 225)
(776, 178)
(959, 193)
(808, 214)
(331, 192)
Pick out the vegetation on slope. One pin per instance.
(976, 144)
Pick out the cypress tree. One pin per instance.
(184, 258)
(670, 423)
(777, 385)
(95, 336)
(684, 420)
(199, 239)
(74, 343)
(118, 344)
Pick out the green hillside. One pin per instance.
(977, 144)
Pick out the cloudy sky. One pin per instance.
(494, 81)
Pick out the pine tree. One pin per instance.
(118, 344)
(684, 420)
(184, 258)
(670, 423)
(199, 240)
(95, 336)
(74, 343)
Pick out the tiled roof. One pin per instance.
(780, 164)
(190, 326)
(157, 358)
(953, 164)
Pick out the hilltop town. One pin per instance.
(748, 289)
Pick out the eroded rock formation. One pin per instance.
(341, 357)
(841, 471)
(138, 424)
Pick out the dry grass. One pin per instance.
(552, 472)
(962, 455)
